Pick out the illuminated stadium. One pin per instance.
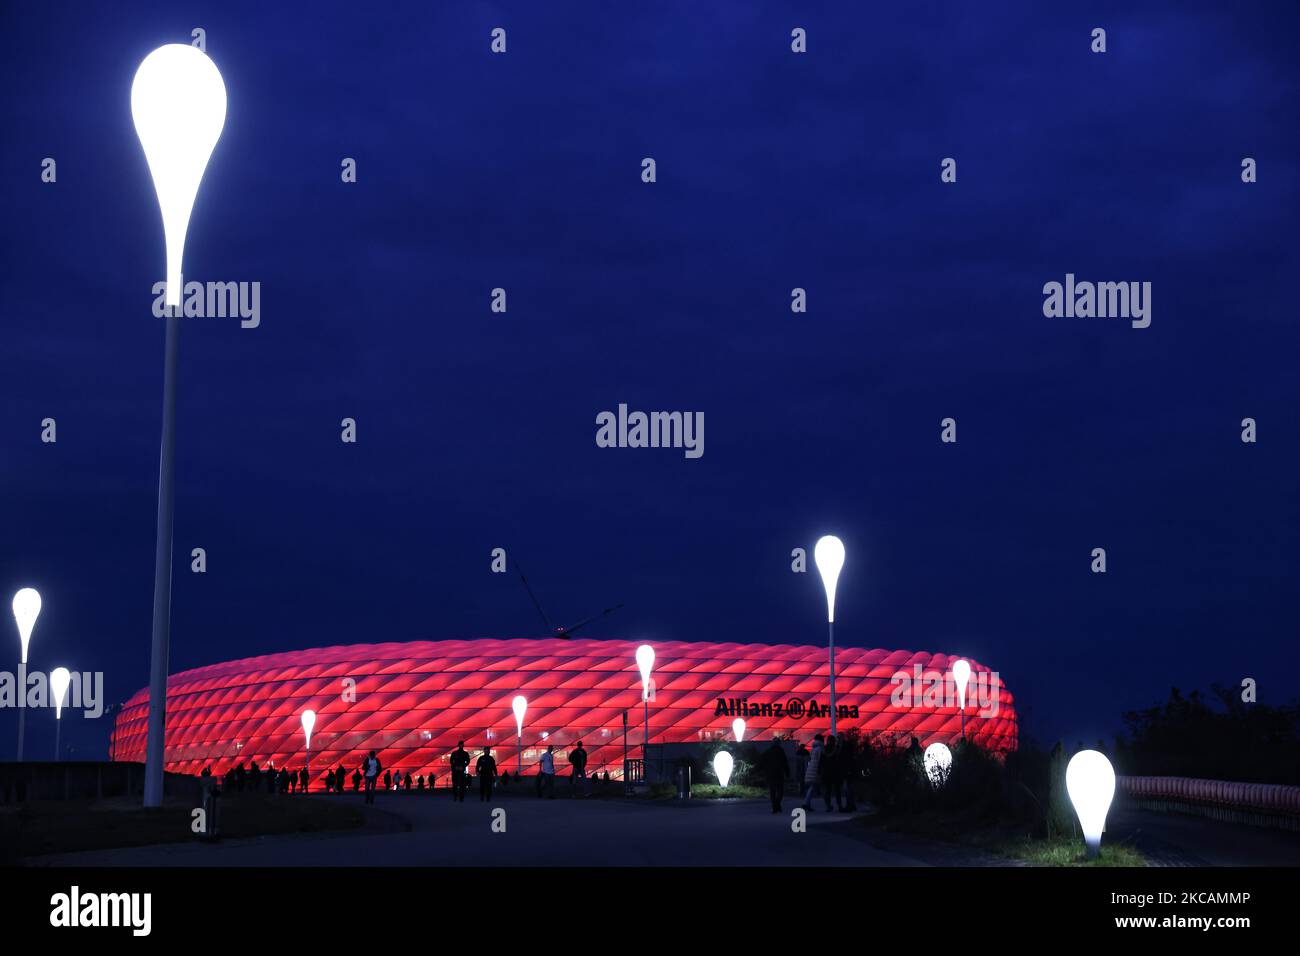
(412, 702)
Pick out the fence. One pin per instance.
(1260, 804)
(82, 780)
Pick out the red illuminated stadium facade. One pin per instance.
(412, 702)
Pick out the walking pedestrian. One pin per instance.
(372, 768)
(486, 768)
(548, 772)
(776, 768)
(811, 778)
(578, 761)
(459, 773)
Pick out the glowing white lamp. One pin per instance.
(960, 676)
(178, 103)
(645, 660)
(722, 766)
(938, 763)
(27, 608)
(1090, 782)
(308, 724)
(60, 678)
(738, 728)
(828, 554)
(520, 706)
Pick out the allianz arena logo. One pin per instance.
(795, 707)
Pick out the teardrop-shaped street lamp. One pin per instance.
(178, 104)
(60, 678)
(520, 706)
(960, 675)
(308, 725)
(828, 554)
(645, 662)
(27, 608)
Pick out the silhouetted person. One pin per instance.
(830, 773)
(356, 780)
(254, 777)
(407, 786)
(372, 768)
(547, 787)
(811, 774)
(303, 780)
(486, 768)
(459, 772)
(578, 761)
(848, 761)
(776, 768)
(388, 780)
(419, 782)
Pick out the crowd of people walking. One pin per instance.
(827, 770)
(372, 776)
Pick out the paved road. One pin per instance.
(1173, 839)
(559, 832)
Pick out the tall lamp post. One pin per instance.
(178, 104)
(961, 674)
(520, 707)
(645, 660)
(27, 608)
(60, 678)
(308, 722)
(829, 555)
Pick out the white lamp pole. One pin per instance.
(828, 553)
(520, 707)
(178, 103)
(645, 660)
(27, 608)
(60, 678)
(961, 674)
(308, 722)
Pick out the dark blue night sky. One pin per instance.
(775, 170)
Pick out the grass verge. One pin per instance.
(40, 828)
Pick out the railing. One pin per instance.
(1263, 804)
